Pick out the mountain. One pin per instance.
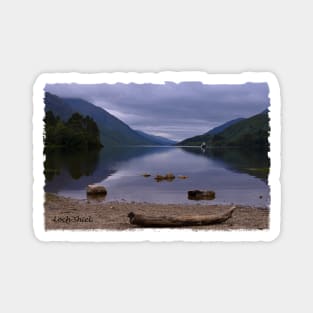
(247, 132)
(157, 139)
(57, 106)
(220, 128)
(112, 130)
(197, 140)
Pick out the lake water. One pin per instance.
(236, 176)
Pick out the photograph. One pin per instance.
(154, 156)
(123, 155)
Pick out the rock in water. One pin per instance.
(158, 177)
(182, 176)
(201, 195)
(96, 190)
(169, 176)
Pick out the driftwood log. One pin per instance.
(180, 221)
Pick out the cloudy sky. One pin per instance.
(175, 111)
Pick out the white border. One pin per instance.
(163, 235)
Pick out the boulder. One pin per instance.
(96, 190)
(201, 195)
(99, 197)
(182, 176)
(159, 177)
(168, 177)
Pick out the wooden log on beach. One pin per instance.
(179, 221)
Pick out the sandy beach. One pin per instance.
(67, 213)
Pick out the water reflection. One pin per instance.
(235, 175)
(74, 171)
(78, 164)
(251, 161)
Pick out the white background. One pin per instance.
(95, 36)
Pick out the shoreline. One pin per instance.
(63, 213)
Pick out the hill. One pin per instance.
(112, 130)
(220, 128)
(197, 140)
(247, 132)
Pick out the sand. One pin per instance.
(67, 213)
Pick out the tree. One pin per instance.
(78, 133)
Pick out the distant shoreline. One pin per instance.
(62, 213)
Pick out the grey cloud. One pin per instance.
(179, 110)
